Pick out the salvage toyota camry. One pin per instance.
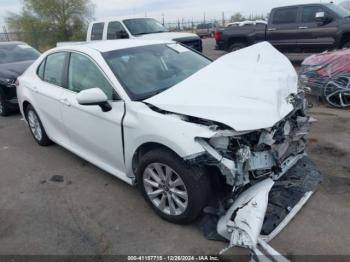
(227, 136)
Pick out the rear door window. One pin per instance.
(97, 31)
(285, 16)
(54, 68)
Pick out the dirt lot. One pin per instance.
(91, 212)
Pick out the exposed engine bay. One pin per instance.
(262, 154)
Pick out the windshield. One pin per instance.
(149, 70)
(340, 11)
(142, 26)
(12, 53)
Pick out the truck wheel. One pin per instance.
(236, 46)
(176, 191)
(346, 45)
(4, 110)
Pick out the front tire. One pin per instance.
(176, 191)
(36, 127)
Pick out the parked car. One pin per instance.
(181, 127)
(205, 30)
(247, 23)
(139, 28)
(308, 28)
(15, 58)
(327, 76)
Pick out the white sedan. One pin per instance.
(182, 127)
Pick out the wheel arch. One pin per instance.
(144, 149)
(238, 39)
(25, 105)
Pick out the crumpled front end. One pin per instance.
(256, 155)
(271, 176)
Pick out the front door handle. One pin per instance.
(271, 29)
(65, 102)
(303, 27)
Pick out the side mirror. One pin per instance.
(94, 97)
(122, 34)
(321, 18)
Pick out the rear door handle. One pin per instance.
(303, 27)
(65, 102)
(271, 29)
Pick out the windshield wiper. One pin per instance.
(149, 95)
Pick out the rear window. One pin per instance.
(285, 16)
(12, 53)
(97, 31)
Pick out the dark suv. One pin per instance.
(15, 58)
(306, 28)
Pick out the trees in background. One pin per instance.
(237, 17)
(43, 23)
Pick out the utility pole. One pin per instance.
(163, 19)
(204, 18)
(223, 18)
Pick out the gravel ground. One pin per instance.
(53, 202)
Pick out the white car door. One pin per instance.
(46, 95)
(94, 135)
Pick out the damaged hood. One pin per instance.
(246, 90)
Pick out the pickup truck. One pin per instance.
(138, 28)
(297, 28)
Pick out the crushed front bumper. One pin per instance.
(264, 209)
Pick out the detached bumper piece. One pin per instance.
(288, 196)
(263, 210)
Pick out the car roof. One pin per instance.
(118, 18)
(287, 6)
(12, 43)
(111, 45)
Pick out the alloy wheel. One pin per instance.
(337, 91)
(35, 126)
(165, 188)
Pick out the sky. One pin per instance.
(172, 9)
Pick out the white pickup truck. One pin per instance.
(138, 28)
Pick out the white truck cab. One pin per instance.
(139, 28)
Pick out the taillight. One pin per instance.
(217, 35)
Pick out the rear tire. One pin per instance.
(4, 110)
(160, 174)
(36, 127)
(236, 46)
